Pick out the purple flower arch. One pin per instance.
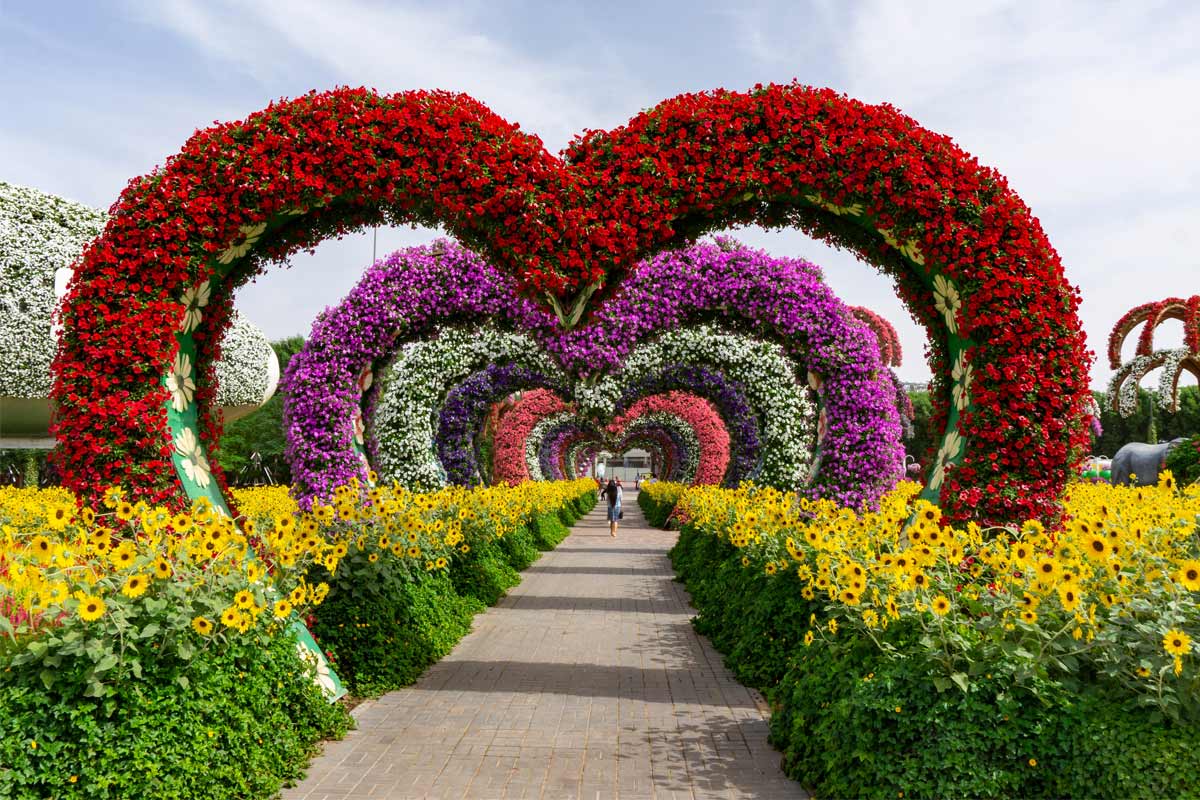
(410, 293)
(782, 299)
(398, 299)
(463, 412)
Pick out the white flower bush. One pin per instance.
(248, 369)
(1125, 381)
(41, 236)
(769, 379)
(406, 417)
(533, 445)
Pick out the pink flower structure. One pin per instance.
(513, 431)
(700, 416)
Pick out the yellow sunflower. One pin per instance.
(1188, 575)
(91, 608)
(1177, 643)
(231, 617)
(202, 625)
(135, 586)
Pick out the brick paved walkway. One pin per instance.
(587, 681)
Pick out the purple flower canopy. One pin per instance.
(409, 294)
(401, 298)
(465, 408)
(784, 299)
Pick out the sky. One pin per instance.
(1089, 109)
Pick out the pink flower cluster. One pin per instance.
(513, 432)
(700, 416)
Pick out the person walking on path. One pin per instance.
(614, 493)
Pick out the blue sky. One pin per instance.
(1089, 109)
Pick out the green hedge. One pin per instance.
(234, 724)
(852, 721)
(656, 513)
(385, 622)
(548, 531)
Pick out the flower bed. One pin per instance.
(989, 663)
(143, 653)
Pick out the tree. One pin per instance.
(1119, 431)
(260, 432)
(924, 436)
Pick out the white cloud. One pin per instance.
(1086, 108)
(394, 48)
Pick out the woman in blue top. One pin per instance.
(613, 493)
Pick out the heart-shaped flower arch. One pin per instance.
(858, 446)
(540, 436)
(970, 260)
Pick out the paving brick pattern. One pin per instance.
(587, 681)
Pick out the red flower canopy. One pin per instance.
(972, 263)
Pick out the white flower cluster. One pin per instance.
(1125, 381)
(406, 418)
(39, 235)
(248, 368)
(786, 417)
(533, 444)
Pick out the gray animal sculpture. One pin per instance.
(1143, 460)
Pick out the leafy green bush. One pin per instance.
(484, 572)
(657, 501)
(234, 723)
(1184, 461)
(384, 628)
(519, 547)
(548, 531)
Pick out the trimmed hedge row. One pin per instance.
(656, 511)
(385, 623)
(232, 724)
(853, 722)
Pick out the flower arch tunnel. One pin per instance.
(969, 259)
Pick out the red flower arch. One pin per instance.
(1153, 315)
(885, 332)
(972, 263)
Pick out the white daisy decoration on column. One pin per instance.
(195, 464)
(194, 299)
(250, 236)
(950, 449)
(321, 672)
(962, 373)
(180, 383)
(947, 301)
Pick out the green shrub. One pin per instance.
(656, 511)
(519, 548)
(384, 631)
(1099, 749)
(548, 531)
(854, 721)
(485, 572)
(230, 724)
(1184, 461)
